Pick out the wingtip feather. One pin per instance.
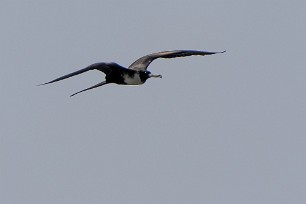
(43, 84)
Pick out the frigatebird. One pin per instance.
(135, 74)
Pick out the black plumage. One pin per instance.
(135, 74)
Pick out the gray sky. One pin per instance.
(227, 128)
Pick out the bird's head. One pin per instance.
(144, 75)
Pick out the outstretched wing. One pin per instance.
(142, 63)
(92, 87)
(103, 67)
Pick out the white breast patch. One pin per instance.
(135, 80)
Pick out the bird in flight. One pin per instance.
(135, 74)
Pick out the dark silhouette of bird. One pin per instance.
(135, 74)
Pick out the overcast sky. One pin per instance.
(227, 128)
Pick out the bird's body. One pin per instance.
(135, 74)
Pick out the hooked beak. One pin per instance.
(155, 76)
